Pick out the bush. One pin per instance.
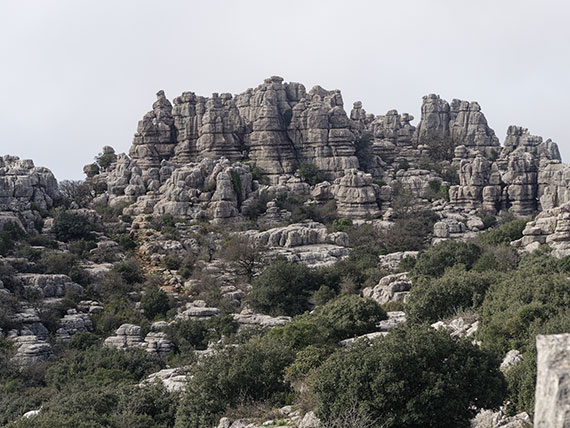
(172, 262)
(130, 271)
(9, 235)
(341, 224)
(433, 299)
(519, 306)
(349, 316)
(155, 303)
(311, 174)
(435, 260)
(188, 335)
(70, 226)
(415, 376)
(248, 373)
(504, 233)
(99, 366)
(283, 288)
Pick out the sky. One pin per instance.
(78, 75)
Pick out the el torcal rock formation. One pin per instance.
(266, 241)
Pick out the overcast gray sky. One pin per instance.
(78, 75)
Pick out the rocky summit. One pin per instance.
(272, 259)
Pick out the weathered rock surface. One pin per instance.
(550, 227)
(25, 188)
(174, 380)
(130, 336)
(499, 419)
(277, 125)
(247, 318)
(459, 326)
(552, 404)
(49, 285)
(72, 323)
(357, 196)
(391, 288)
(31, 350)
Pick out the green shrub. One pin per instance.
(505, 233)
(341, 224)
(363, 152)
(349, 316)
(130, 270)
(236, 183)
(188, 335)
(283, 288)
(70, 226)
(311, 174)
(436, 259)
(99, 366)
(307, 360)
(172, 262)
(323, 295)
(9, 235)
(155, 303)
(414, 377)
(519, 306)
(126, 243)
(433, 299)
(248, 373)
(82, 341)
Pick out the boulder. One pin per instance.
(552, 407)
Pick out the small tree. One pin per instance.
(155, 302)
(283, 288)
(246, 257)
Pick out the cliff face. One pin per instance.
(276, 125)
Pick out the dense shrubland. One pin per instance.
(414, 376)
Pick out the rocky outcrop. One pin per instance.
(445, 126)
(299, 234)
(391, 288)
(552, 407)
(130, 336)
(459, 326)
(49, 285)
(357, 196)
(277, 125)
(550, 227)
(248, 319)
(197, 311)
(30, 350)
(25, 188)
(490, 419)
(511, 180)
(309, 243)
(72, 323)
(174, 380)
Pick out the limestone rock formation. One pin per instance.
(31, 350)
(25, 188)
(511, 180)
(130, 336)
(72, 323)
(550, 227)
(445, 126)
(277, 125)
(49, 285)
(391, 288)
(248, 319)
(552, 406)
(356, 195)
